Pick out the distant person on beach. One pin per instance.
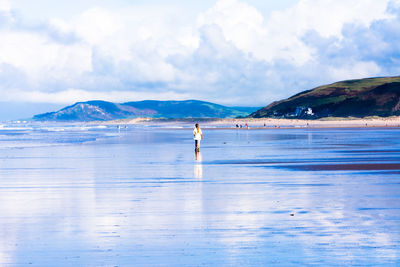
(198, 135)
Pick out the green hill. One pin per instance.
(102, 110)
(355, 98)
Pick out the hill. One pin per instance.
(102, 110)
(356, 98)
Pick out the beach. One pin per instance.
(219, 133)
(138, 195)
(270, 122)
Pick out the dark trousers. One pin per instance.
(196, 144)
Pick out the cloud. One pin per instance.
(361, 50)
(76, 95)
(327, 17)
(42, 60)
(231, 53)
(5, 6)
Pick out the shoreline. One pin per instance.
(266, 123)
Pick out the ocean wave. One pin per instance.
(7, 128)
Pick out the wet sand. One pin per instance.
(142, 197)
(346, 167)
(330, 165)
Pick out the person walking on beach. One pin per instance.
(198, 135)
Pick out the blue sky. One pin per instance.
(232, 52)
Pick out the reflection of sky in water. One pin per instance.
(143, 197)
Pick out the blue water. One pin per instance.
(89, 195)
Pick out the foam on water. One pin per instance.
(22, 135)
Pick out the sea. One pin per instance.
(139, 195)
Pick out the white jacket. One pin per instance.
(197, 135)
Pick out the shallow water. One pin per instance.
(81, 195)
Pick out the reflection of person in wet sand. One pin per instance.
(198, 135)
(198, 156)
(198, 167)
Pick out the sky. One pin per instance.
(231, 52)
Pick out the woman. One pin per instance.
(198, 135)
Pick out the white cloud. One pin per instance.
(248, 30)
(327, 17)
(278, 37)
(5, 11)
(42, 60)
(231, 53)
(97, 24)
(354, 70)
(75, 95)
(241, 23)
(5, 6)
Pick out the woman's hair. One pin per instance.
(197, 125)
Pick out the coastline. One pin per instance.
(260, 123)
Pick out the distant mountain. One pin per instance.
(103, 110)
(356, 98)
